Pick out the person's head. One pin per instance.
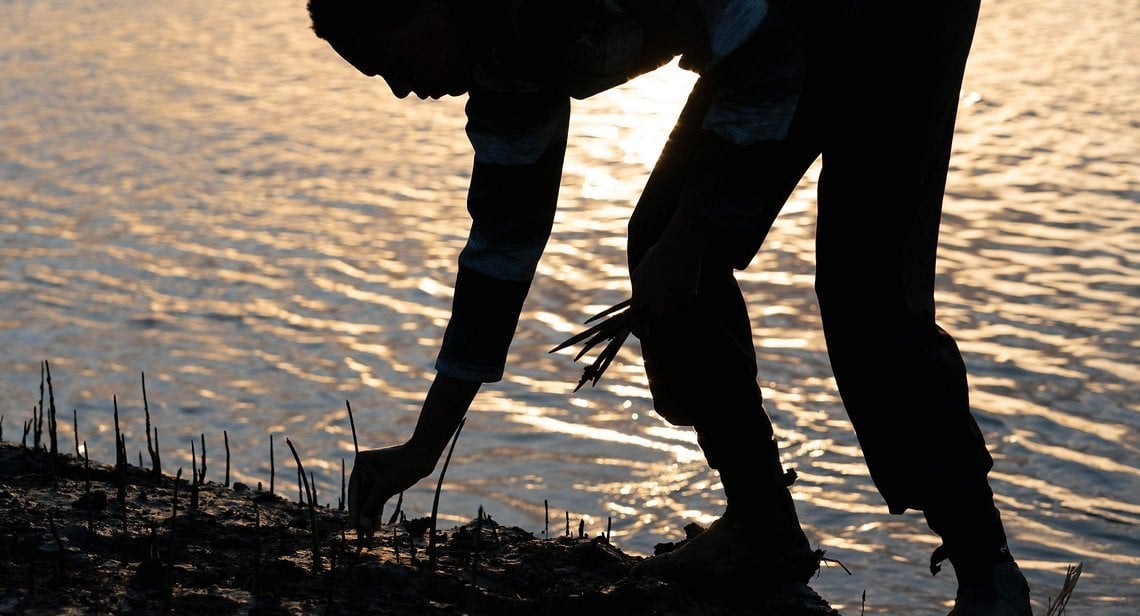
(417, 46)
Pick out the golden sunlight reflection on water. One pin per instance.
(204, 192)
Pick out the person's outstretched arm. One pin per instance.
(380, 473)
(520, 142)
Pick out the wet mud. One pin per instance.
(92, 538)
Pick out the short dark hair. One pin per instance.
(333, 19)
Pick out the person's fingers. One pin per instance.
(373, 507)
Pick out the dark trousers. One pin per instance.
(879, 106)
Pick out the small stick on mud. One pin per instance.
(121, 473)
(74, 429)
(272, 469)
(546, 526)
(609, 526)
(38, 416)
(226, 439)
(157, 458)
(581, 528)
(52, 426)
(24, 440)
(2, 434)
(202, 475)
(352, 424)
(36, 428)
(567, 522)
(87, 490)
(118, 433)
(340, 504)
(155, 463)
(193, 478)
(435, 501)
(312, 507)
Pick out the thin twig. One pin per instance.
(226, 439)
(438, 489)
(352, 424)
(312, 504)
(155, 461)
(340, 503)
(202, 476)
(52, 427)
(272, 469)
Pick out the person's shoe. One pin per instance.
(729, 552)
(1004, 592)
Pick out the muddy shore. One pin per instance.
(94, 538)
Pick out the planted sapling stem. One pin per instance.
(157, 457)
(202, 476)
(52, 426)
(340, 504)
(87, 491)
(312, 506)
(155, 462)
(193, 478)
(438, 489)
(118, 433)
(226, 440)
(272, 469)
(352, 424)
(38, 416)
(122, 472)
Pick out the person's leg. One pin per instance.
(700, 361)
(901, 377)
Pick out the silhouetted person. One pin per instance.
(873, 87)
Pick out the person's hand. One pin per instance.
(667, 277)
(664, 282)
(377, 475)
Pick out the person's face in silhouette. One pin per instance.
(427, 55)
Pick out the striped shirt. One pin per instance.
(538, 54)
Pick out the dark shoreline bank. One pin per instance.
(69, 548)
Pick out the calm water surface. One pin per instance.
(204, 192)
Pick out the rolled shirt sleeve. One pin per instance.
(520, 142)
